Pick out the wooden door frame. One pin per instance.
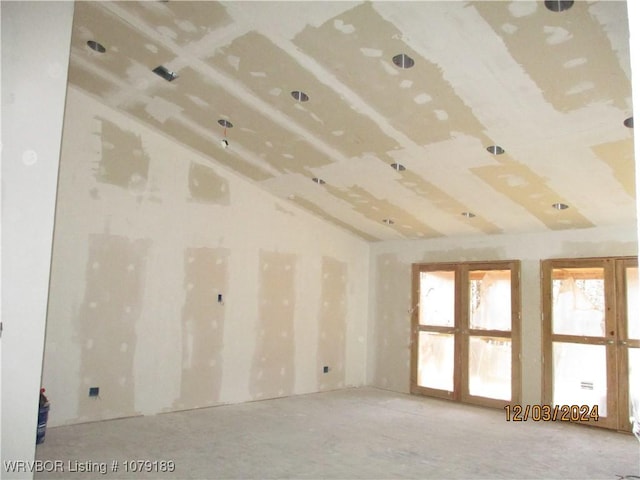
(461, 351)
(615, 315)
(514, 334)
(624, 342)
(416, 269)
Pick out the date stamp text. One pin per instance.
(551, 413)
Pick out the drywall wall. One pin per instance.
(634, 48)
(35, 55)
(176, 284)
(390, 298)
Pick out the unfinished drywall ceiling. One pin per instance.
(311, 91)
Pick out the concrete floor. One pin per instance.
(352, 433)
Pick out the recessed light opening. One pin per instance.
(495, 150)
(165, 73)
(398, 167)
(93, 45)
(468, 214)
(300, 96)
(403, 61)
(628, 122)
(388, 221)
(560, 206)
(319, 181)
(225, 123)
(558, 5)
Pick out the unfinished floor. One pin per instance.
(351, 433)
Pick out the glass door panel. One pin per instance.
(579, 372)
(435, 361)
(437, 298)
(490, 367)
(634, 385)
(633, 305)
(580, 375)
(578, 301)
(434, 344)
(490, 300)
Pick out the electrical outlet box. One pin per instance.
(325, 369)
(94, 391)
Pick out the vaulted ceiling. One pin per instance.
(385, 117)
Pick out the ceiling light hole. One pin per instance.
(388, 221)
(300, 96)
(165, 73)
(398, 167)
(628, 122)
(558, 5)
(468, 214)
(98, 47)
(319, 181)
(403, 61)
(560, 206)
(225, 123)
(495, 150)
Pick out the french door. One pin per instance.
(591, 338)
(466, 332)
